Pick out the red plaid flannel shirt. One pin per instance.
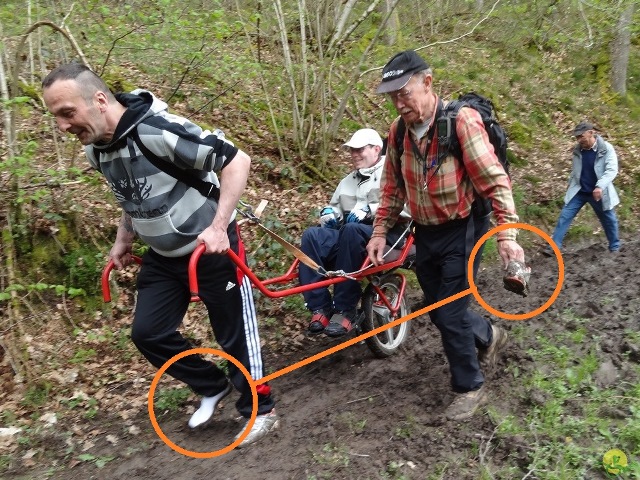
(450, 191)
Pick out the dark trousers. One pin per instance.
(343, 249)
(442, 253)
(163, 299)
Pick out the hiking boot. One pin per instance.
(341, 323)
(264, 424)
(204, 414)
(465, 404)
(319, 321)
(488, 357)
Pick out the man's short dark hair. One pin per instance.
(89, 80)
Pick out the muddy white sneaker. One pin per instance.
(262, 426)
(465, 404)
(204, 414)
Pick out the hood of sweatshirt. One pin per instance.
(140, 104)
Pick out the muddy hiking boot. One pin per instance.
(342, 323)
(516, 278)
(488, 357)
(465, 404)
(319, 321)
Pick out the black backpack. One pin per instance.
(448, 139)
(446, 129)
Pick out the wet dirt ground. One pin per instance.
(352, 416)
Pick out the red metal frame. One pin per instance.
(266, 287)
(106, 290)
(291, 274)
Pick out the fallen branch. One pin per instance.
(362, 399)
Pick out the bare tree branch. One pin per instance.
(342, 20)
(117, 39)
(443, 42)
(335, 122)
(359, 21)
(23, 39)
(265, 90)
(586, 22)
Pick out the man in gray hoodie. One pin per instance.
(134, 141)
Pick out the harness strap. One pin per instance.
(296, 252)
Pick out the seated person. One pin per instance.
(339, 243)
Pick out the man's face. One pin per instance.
(413, 101)
(74, 114)
(364, 157)
(586, 140)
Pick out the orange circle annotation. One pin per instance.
(154, 385)
(515, 316)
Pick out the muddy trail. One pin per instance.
(352, 416)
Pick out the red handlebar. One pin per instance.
(193, 265)
(193, 278)
(106, 290)
(263, 285)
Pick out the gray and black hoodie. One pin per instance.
(167, 214)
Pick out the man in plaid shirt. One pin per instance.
(442, 193)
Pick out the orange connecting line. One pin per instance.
(473, 290)
(359, 338)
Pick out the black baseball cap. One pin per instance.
(582, 127)
(397, 72)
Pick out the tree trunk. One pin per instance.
(620, 51)
(393, 24)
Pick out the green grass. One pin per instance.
(568, 433)
(37, 394)
(332, 455)
(171, 400)
(565, 435)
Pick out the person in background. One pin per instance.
(441, 194)
(339, 243)
(595, 165)
(121, 133)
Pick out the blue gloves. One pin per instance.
(362, 215)
(328, 218)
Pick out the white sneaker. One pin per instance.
(263, 425)
(204, 414)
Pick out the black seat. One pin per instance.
(396, 252)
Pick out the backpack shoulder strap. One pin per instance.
(448, 140)
(206, 189)
(401, 130)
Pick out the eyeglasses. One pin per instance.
(401, 94)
